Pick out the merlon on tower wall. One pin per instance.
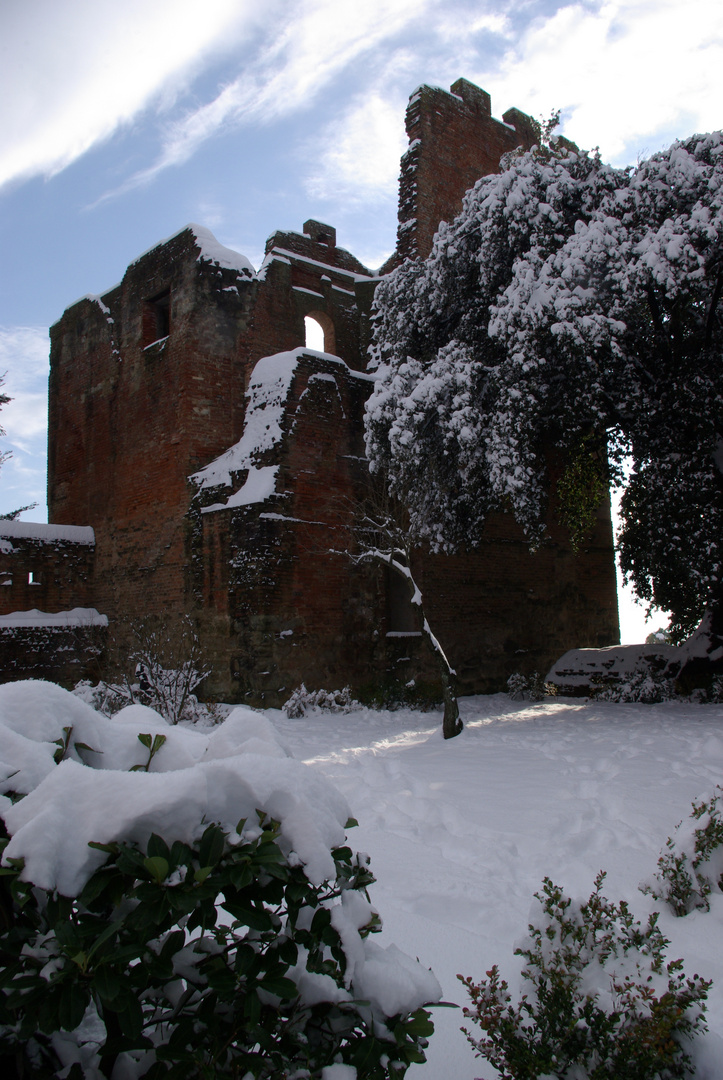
(453, 141)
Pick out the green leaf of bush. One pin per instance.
(157, 867)
(212, 845)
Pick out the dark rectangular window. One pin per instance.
(157, 318)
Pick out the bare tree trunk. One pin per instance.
(702, 653)
(378, 534)
(451, 722)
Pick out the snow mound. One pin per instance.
(579, 671)
(78, 616)
(72, 765)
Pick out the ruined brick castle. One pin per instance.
(202, 460)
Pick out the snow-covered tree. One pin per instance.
(569, 305)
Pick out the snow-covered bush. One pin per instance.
(218, 959)
(104, 697)
(110, 698)
(335, 701)
(182, 903)
(528, 687)
(691, 866)
(599, 1001)
(645, 683)
(155, 661)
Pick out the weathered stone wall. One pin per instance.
(284, 604)
(61, 654)
(132, 414)
(45, 567)
(309, 275)
(274, 585)
(500, 609)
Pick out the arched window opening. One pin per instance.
(314, 334)
(315, 323)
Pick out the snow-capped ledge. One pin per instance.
(79, 616)
(579, 671)
(35, 530)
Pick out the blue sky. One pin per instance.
(121, 123)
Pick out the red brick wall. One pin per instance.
(309, 275)
(129, 421)
(284, 604)
(44, 568)
(278, 594)
(454, 140)
(61, 654)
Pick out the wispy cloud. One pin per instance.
(316, 41)
(629, 75)
(357, 156)
(622, 70)
(76, 72)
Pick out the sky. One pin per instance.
(122, 123)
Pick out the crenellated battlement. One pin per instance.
(453, 141)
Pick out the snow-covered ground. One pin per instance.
(461, 833)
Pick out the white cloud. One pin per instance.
(357, 157)
(317, 40)
(624, 71)
(629, 76)
(75, 72)
(24, 352)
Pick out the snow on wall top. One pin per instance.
(279, 254)
(78, 616)
(210, 250)
(268, 390)
(34, 530)
(267, 395)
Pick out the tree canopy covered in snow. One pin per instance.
(570, 304)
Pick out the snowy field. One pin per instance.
(461, 833)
